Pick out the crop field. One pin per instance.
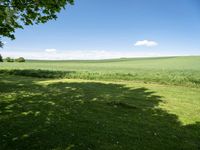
(168, 70)
(118, 104)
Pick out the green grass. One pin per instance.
(169, 70)
(64, 114)
(114, 65)
(119, 104)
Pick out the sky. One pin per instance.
(102, 29)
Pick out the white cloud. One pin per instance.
(146, 43)
(52, 50)
(80, 54)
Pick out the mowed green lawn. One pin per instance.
(109, 112)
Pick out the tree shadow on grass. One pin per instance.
(37, 73)
(87, 115)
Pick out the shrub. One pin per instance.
(1, 59)
(20, 59)
(8, 59)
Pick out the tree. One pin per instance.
(8, 59)
(20, 59)
(1, 43)
(1, 59)
(15, 14)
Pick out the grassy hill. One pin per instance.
(117, 104)
(124, 65)
(165, 70)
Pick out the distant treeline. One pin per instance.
(8, 59)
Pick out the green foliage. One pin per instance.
(8, 59)
(20, 59)
(66, 114)
(16, 13)
(1, 58)
(1, 43)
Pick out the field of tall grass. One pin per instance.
(167, 70)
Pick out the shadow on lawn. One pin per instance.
(87, 115)
(37, 73)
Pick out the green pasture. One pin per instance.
(119, 104)
(168, 70)
(124, 65)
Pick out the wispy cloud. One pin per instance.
(146, 43)
(80, 54)
(51, 50)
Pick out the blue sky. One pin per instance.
(98, 29)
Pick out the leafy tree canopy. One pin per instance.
(20, 59)
(1, 43)
(16, 13)
(1, 59)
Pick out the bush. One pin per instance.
(8, 59)
(1, 59)
(20, 59)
